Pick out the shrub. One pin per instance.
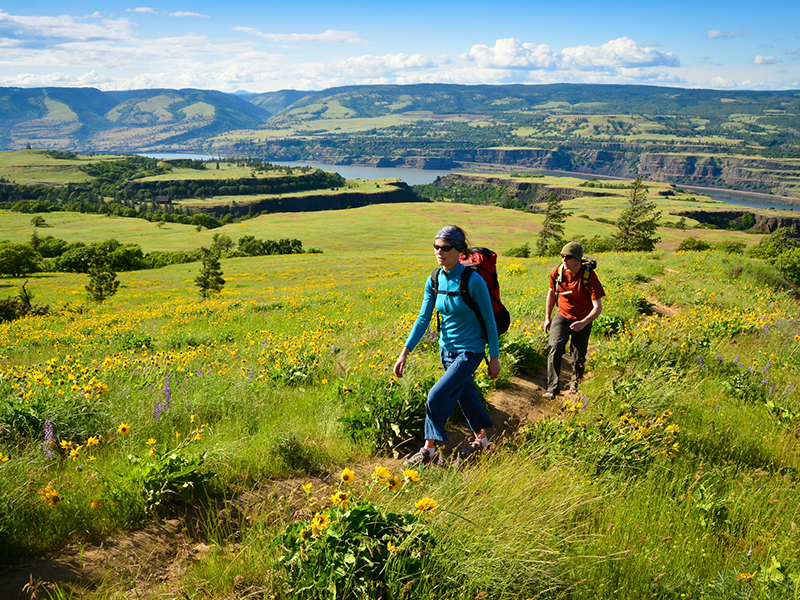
(523, 251)
(692, 244)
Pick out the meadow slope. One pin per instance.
(674, 474)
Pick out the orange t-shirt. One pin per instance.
(574, 297)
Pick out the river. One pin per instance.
(423, 176)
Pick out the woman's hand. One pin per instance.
(494, 367)
(401, 363)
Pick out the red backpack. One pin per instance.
(484, 262)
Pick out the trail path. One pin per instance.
(158, 555)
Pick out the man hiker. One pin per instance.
(580, 301)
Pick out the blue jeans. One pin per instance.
(455, 387)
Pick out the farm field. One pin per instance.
(674, 474)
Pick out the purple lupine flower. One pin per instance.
(719, 358)
(749, 369)
(48, 435)
(167, 392)
(788, 389)
(700, 360)
(199, 371)
(250, 378)
(157, 410)
(764, 381)
(736, 360)
(766, 328)
(766, 367)
(772, 389)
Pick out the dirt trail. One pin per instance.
(159, 554)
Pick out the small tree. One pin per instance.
(210, 278)
(103, 281)
(553, 225)
(17, 260)
(639, 221)
(38, 221)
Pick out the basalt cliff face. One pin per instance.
(726, 218)
(695, 166)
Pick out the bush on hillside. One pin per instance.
(692, 244)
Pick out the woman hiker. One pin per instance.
(462, 346)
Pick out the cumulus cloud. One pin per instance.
(331, 36)
(510, 53)
(761, 59)
(619, 53)
(182, 13)
(715, 34)
(142, 9)
(721, 82)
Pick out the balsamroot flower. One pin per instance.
(381, 473)
(426, 505)
(411, 475)
(124, 429)
(341, 498)
(347, 476)
(319, 523)
(394, 483)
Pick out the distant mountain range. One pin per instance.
(604, 129)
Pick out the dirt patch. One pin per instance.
(160, 554)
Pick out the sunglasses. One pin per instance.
(565, 256)
(442, 248)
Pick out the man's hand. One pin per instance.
(547, 322)
(577, 325)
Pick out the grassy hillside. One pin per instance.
(673, 474)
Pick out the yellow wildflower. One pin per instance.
(348, 475)
(319, 523)
(124, 429)
(73, 454)
(745, 576)
(381, 473)
(341, 498)
(426, 505)
(51, 495)
(151, 441)
(304, 534)
(391, 548)
(411, 475)
(393, 483)
(95, 504)
(93, 441)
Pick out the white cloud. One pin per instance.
(721, 82)
(714, 34)
(761, 59)
(510, 53)
(619, 53)
(37, 28)
(142, 9)
(182, 13)
(331, 36)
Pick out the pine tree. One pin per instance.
(639, 221)
(553, 226)
(102, 280)
(210, 278)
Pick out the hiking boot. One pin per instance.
(549, 395)
(420, 457)
(573, 388)
(470, 452)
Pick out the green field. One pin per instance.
(673, 475)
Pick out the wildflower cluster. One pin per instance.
(354, 545)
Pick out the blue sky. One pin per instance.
(309, 45)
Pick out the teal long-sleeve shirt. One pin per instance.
(460, 329)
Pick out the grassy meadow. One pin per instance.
(673, 475)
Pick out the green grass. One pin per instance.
(574, 507)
